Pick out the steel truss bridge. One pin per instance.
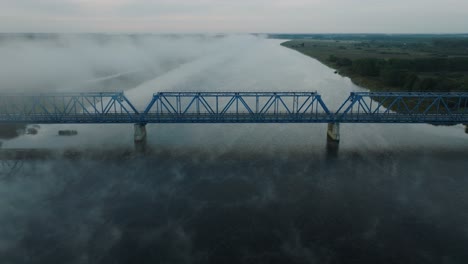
(234, 107)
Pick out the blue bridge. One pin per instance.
(235, 107)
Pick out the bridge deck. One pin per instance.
(236, 118)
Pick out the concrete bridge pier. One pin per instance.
(333, 132)
(140, 137)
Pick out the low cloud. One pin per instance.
(67, 63)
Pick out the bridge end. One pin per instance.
(333, 132)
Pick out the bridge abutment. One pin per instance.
(333, 132)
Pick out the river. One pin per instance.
(239, 193)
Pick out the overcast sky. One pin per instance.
(235, 16)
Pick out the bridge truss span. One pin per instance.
(237, 107)
(404, 107)
(49, 108)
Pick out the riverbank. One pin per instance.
(394, 65)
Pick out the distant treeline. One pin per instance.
(425, 74)
(370, 37)
(451, 43)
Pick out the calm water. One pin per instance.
(239, 193)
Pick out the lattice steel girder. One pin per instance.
(57, 107)
(419, 105)
(222, 103)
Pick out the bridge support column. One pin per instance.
(333, 132)
(466, 128)
(140, 137)
(140, 132)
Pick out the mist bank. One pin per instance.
(96, 62)
(35, 63)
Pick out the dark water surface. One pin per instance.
(198, 206)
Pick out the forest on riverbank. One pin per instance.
(400, 64)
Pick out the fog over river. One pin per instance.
(230, 193)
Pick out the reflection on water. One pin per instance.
(199, 206)
(10, 168)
